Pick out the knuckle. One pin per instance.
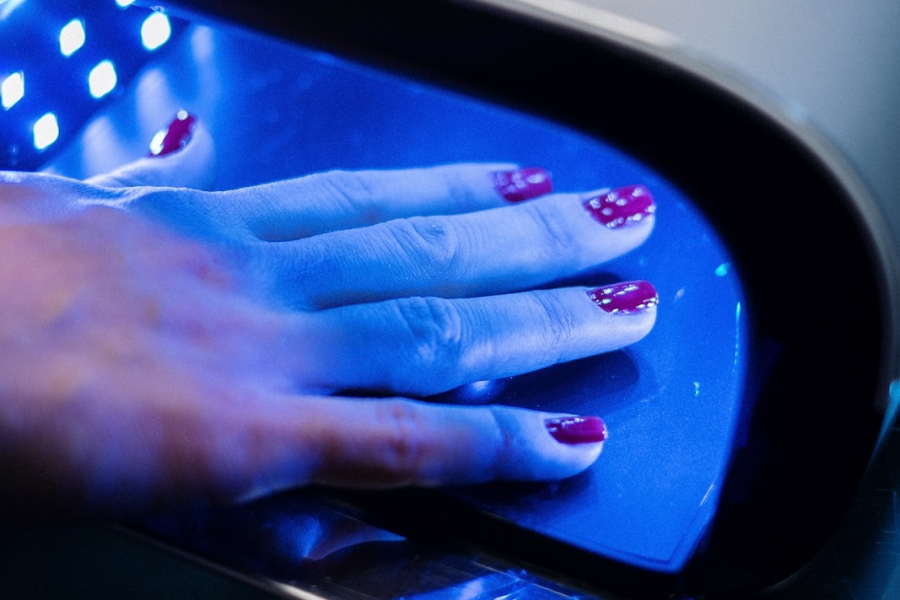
(557, 323)
(299, 274)
(141, 174)
(404, 451)
(149, 199)
(429, 243)
(196, 213)
(122, 179)
(357, 189)
(505, 446)
(136, 176)
(435, 344)
(162, 202)
(555, 234)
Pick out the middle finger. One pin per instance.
(482, 253)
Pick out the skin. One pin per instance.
(162, 345)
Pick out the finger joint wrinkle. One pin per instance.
(436, 330)
(431, 246)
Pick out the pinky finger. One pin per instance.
(249, 443)
(365, 443)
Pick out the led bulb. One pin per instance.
(46, 131)
(102, 79)
(71, 37)
(12, 90)
(155, 31)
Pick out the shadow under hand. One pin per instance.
(593, 385)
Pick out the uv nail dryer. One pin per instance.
(742, 428)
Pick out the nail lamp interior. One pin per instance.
(739, 426)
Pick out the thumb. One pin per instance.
(182, 154)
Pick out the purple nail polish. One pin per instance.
(175, 136)
(625, 298)
(621, 206)
(519, 185)
(577, 430)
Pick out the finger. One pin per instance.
(322, 202)
(397, 442)
(486, 252)
(212, 443)
(430, 345)
(181, 155)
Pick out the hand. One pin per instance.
(163, 345)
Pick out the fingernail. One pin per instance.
(577, 430)
(522, 184)
(174, 137)
(625, 298)
(621, 206)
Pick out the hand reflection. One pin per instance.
(164, 344)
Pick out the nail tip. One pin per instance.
(625, 297)
(519, 185)
(577, 429)
(622, 206)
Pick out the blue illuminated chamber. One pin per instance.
(671, 401)
(60, 62)
(677, 403)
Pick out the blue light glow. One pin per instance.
(155, 31)
(46, 131)
(12, 90)
(723, 269)
(7, 6)
(71, 37)
(124, 3)
(102, 79)
(890, 415)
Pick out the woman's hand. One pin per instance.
(161, 345)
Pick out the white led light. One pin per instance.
(155, 31)
(46, 131)
(124, 3)
(102, 79)
(71, 37)
(12, 90)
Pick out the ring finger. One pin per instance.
(430, 345)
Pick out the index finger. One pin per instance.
(306, 206)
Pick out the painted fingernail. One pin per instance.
(621, 206)
(174, 137)
(519, 185)
(625, 298)
(577, 430)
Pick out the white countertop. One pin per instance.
(833, 62)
